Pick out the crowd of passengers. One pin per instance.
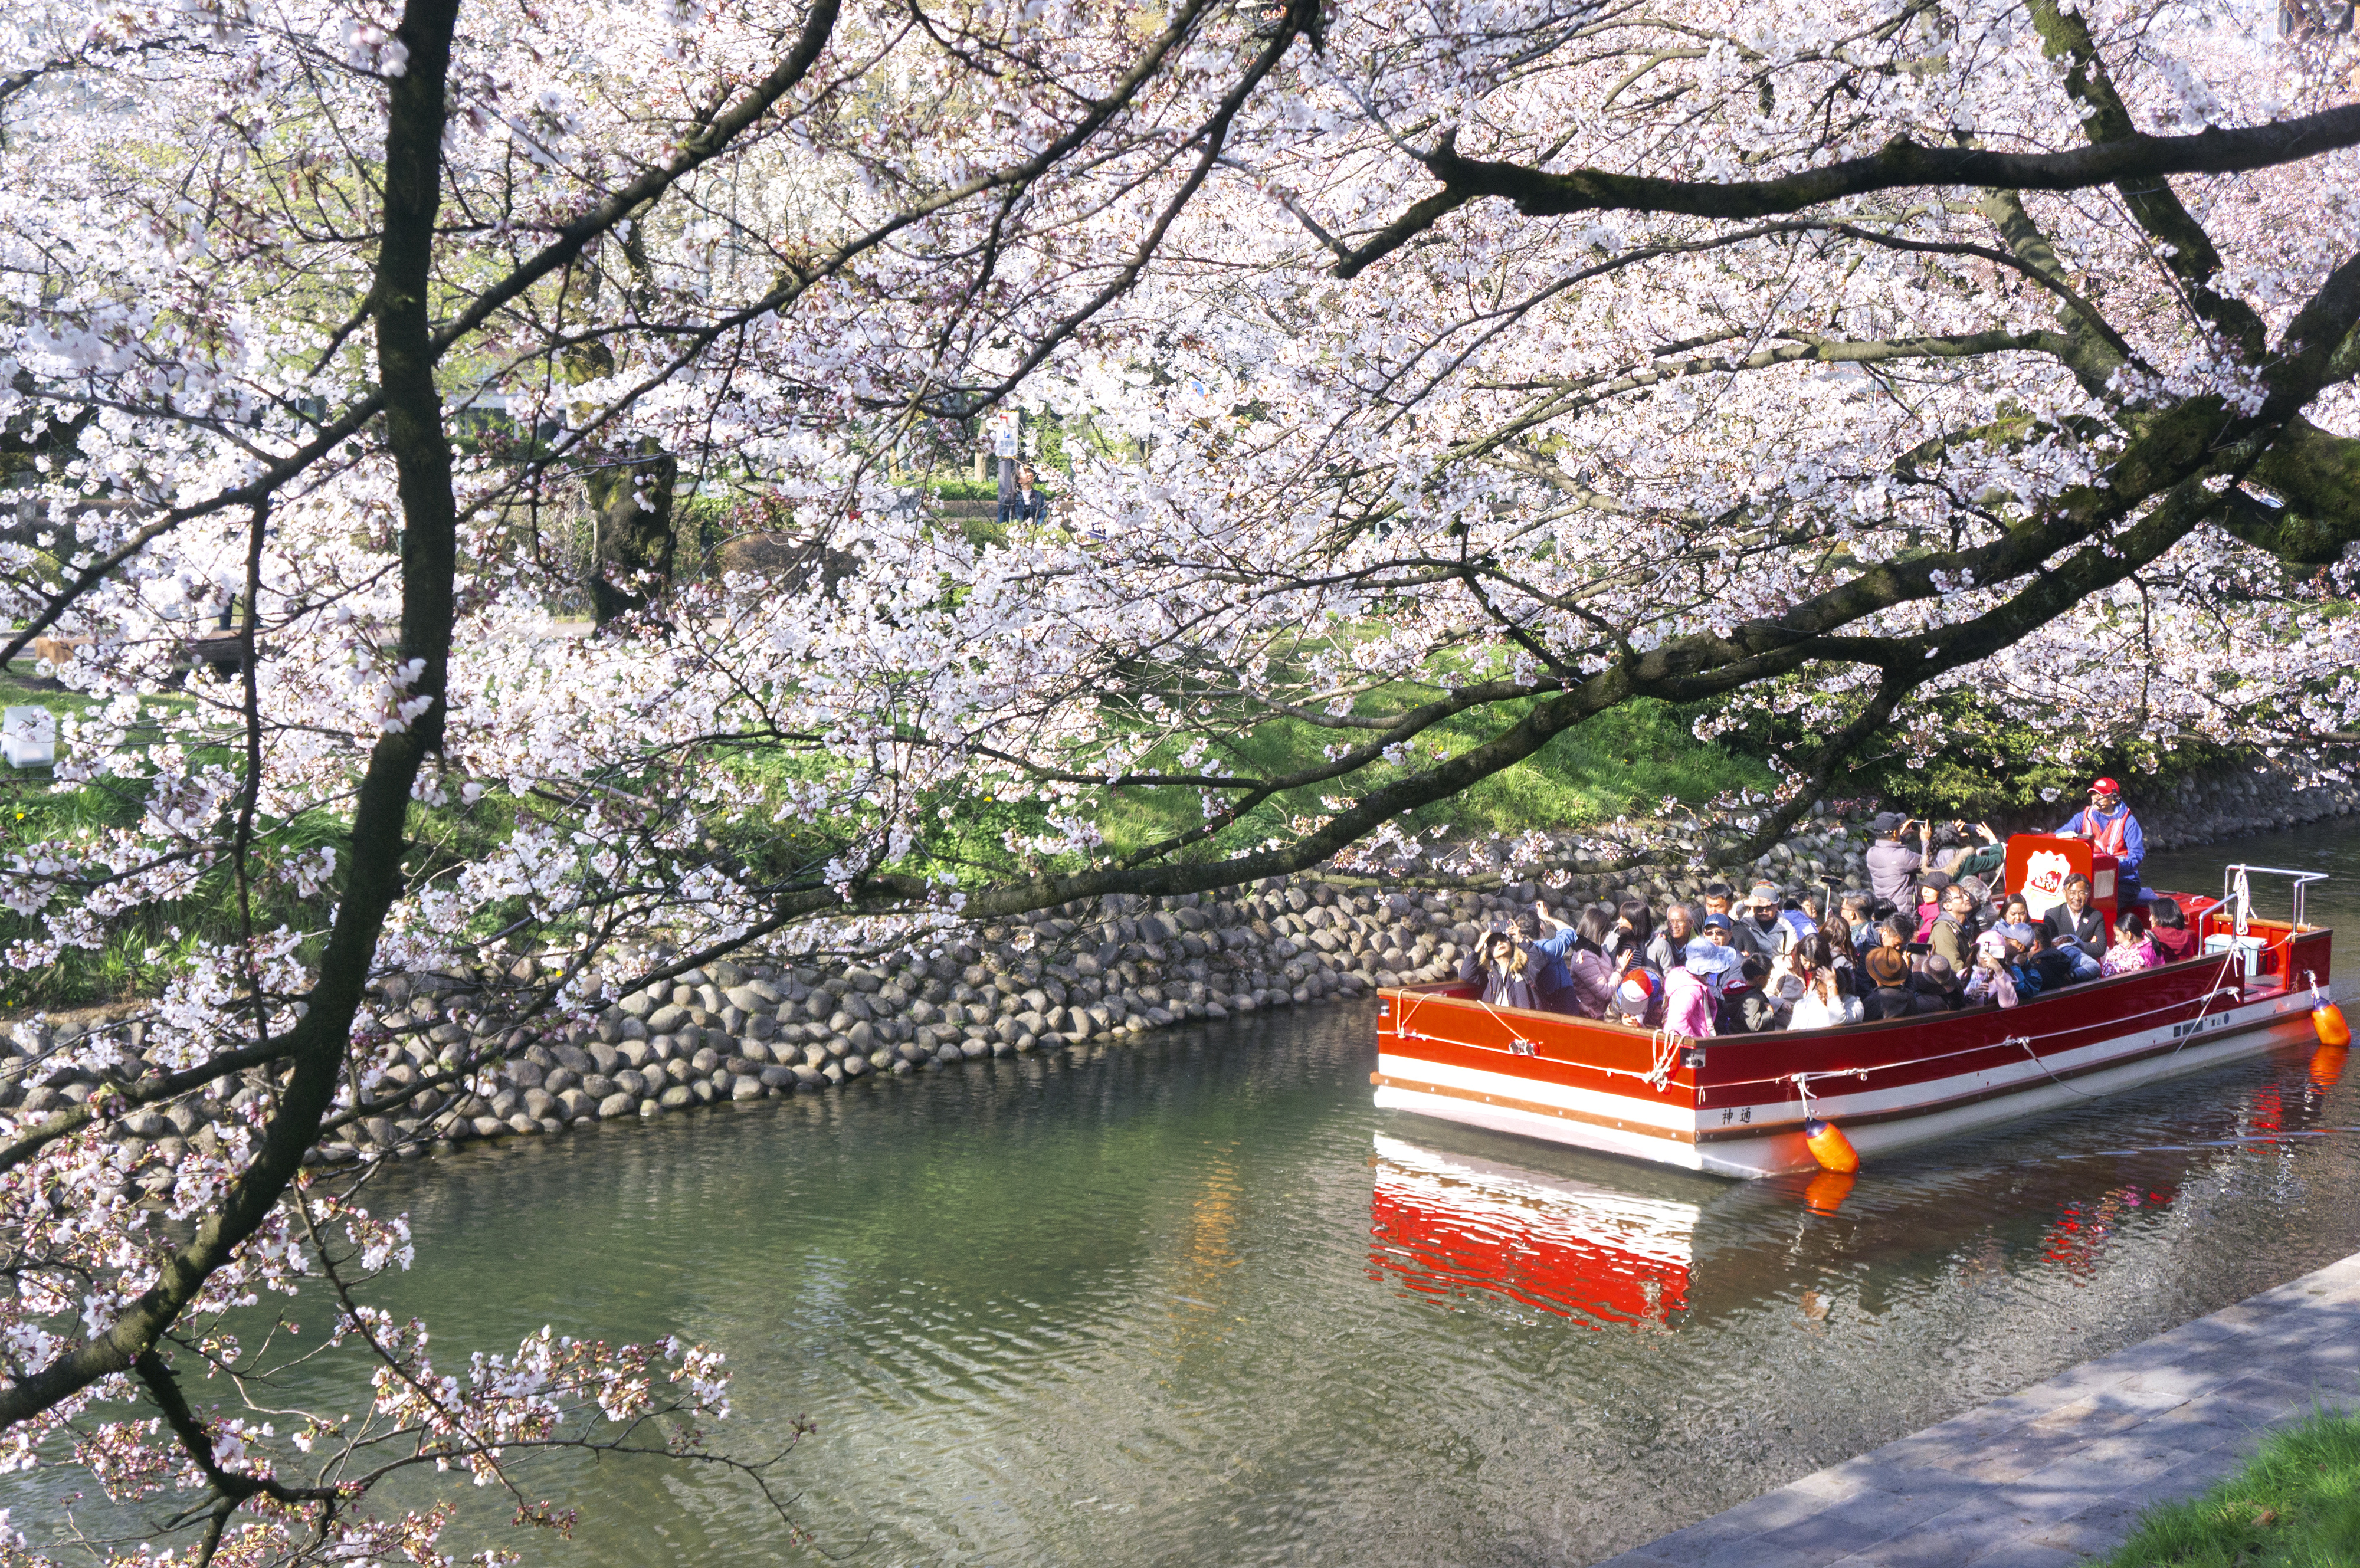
(1949, 940)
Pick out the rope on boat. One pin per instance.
(2026, 1041)
(1666, 1044)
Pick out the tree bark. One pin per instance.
(632, 503)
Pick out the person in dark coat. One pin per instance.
(2073, 936)
(1745, 1008)
(1891, 995)
(1496, 968)
(1026, 504)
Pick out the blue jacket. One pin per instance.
(2134, 841)
(1551, 980)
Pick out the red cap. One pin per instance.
(2105, 787)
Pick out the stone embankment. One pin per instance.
(2206, 807)
(1081, 974)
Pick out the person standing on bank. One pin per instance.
(2111, 829)
(1026, 504)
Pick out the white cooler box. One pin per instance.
(2251, 945)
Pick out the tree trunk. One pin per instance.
(632, 503)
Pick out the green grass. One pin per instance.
(1622, 762)
(2296, 1505)
(154, 940)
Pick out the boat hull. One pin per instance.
(1736, 1106)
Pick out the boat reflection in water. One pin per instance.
(1440, 1225)
(1640, 1248)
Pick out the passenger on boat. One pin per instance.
(1892, 864)
(1892, 997)
(1835, 939)
(1961, 859)
(2133, 948)
(1993, 978)
(1593, 962)
(2111, 829)
(2171, 936)
(1940, 979)
(1762, 933)
(1979, 895)
(1930, 888)
(1952, 937)
(1638, 996)
(2024, 968)
(1827, 1003)
(1858, 915)
(1799, 912)
(1637, 921)
(1745, 1007)
(1668, 947)
(1498, 967)
(1568, 969)
(1692, 990)
(2074, 936)
(1790, 978)
(2015, 922)
(1891, 933)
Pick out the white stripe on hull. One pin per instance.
(1531, 1124)
(1539, 1092)
(2028, 1090)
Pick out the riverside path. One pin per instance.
(2058, 1473)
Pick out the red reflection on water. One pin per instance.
(1441, 1228)
(2077, 1235)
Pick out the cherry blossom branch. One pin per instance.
(1900, 164)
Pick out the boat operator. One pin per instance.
(2111, 829)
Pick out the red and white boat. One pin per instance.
(1737, 1105)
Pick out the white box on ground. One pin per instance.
(29, 736)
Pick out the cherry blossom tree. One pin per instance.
(1445, 369)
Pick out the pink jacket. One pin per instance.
(1687, 1003)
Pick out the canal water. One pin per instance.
(1195, 1301)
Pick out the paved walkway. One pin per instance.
(2057, 1473)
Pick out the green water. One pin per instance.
(1176, 1302)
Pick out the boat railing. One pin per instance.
(2236, 890)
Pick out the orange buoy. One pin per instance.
(1829, 1146)
(1828, 1191)
(2327, 1018)
(2327, 1065)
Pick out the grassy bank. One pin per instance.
(2296, 1505)
(1623, 762)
